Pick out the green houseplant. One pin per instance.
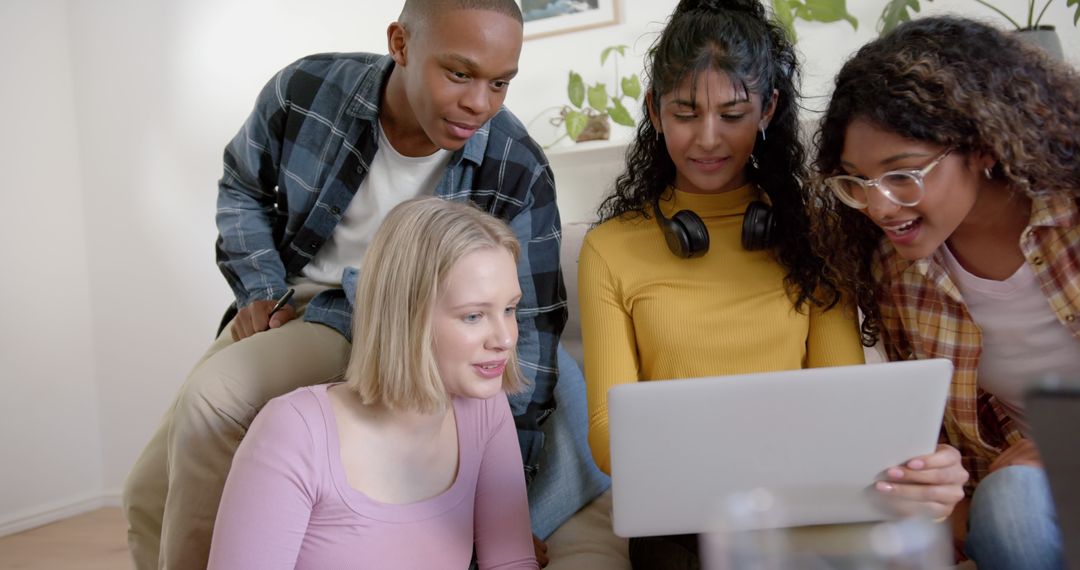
(897, 11)
(1030, 30)
(786, 11)
(591, 106)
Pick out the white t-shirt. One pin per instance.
(392, 179)
(1022, 339)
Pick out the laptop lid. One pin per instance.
(816, 439)
(1053, 411)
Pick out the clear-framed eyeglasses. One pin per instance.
(901, 187)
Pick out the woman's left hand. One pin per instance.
(929, 485)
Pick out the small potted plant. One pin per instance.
(1030, 29)
(593, 107)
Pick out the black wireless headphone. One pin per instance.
(687, 236)
(757, 226)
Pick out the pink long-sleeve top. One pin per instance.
(287, 503)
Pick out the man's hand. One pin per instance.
(929, 485)
(255, 318)
(1023, 452)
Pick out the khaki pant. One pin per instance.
(172, 493)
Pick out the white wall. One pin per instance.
(162, 87)
(125, 108)
(49, 435)
(823, 48)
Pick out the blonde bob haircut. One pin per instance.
(393, 360)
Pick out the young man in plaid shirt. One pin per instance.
(334, 142)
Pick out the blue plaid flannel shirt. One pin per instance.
(294, 166)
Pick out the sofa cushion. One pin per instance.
(573, 234)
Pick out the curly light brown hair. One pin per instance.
(956, 83)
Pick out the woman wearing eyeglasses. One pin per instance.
(949, 214)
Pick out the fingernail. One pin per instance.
(896, 473)
(884, 487)
(916, 464)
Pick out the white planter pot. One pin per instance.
(1044, 37)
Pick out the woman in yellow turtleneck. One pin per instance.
(721, 133)
(649, 315)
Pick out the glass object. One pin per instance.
(750, 536)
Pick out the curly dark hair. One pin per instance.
(933, 80)
(733, 37)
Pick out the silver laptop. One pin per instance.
(815, 439)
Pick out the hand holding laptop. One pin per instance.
(817, 439)
(929, 485)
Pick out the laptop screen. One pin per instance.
(816, 439)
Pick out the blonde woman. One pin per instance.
(414, 458)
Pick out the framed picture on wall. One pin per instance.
(549, 17)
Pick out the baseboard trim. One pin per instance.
(111, 497)
(55, 511)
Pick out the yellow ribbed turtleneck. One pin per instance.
(649, 315)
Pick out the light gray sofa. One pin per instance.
(585, 539)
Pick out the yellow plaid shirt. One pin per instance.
(924, 316)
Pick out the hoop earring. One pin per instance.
(753, 161)
(989, 174)
(763, 134)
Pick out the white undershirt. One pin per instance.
(1022, 339)
(392, 179)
